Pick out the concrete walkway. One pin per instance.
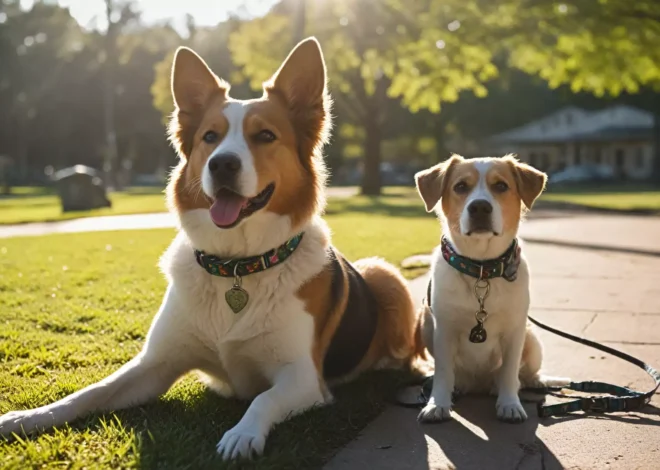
(90, 224)
(119, 222)
(608, 296)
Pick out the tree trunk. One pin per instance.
(111, 163)
(655, 175)
(21, 161)
(373, 121)
(371, 178)
(441, 151)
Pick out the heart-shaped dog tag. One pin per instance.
(237, 298)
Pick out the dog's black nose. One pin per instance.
(480, 207)
(224, 166)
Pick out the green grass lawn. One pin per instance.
(34, 205)
(41, 205)
(73, 308)
(620, 198)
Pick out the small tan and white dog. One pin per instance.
(481, 204)
(258, 299)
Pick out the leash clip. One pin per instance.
(595, 404)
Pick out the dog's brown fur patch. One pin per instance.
(397, 341)
(509, 201)
(327, 312)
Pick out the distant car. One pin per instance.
(581, 174)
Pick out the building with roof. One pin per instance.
(619, 137)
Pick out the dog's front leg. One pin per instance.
(296, 388)
(508, 406)
(146, 376)
(439, 405)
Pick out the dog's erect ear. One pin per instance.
(529, 180)
(431, 182)
(301, 80)
(193, 83)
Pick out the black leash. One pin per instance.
(624, 399)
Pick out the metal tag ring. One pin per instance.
(481, 284)
(237, 279)
(481, 316)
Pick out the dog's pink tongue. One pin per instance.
(226, 208)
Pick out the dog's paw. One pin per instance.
(24, 421)
(433, 413)
(238, 443)
(510, 410)
(10, 423)
(19, 422)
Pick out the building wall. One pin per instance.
(547, 158)
(629, 160)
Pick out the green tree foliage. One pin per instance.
(599, 46)
(406, 76)
(211, 44)
(376, 51)
(51, 89)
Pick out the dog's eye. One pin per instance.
(500, 187)
(265, 136)
(210, 137)
(461, 187)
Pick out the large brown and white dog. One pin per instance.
(251, 177)
(481, 202)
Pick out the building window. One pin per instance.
(620, 161)
(597, 156)
(639, 158)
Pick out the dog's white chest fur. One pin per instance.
(454, 306)
(241, 351)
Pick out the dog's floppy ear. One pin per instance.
(432, 181)
(193, 83)
(301, 79)
(529, 181)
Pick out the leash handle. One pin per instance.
(625, 399)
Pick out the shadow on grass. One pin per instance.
(16, 203)
(27, 192)
(598, 188)
(397, 206)
(173, 433)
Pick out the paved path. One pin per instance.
(609, 296)
(90, 224)
(117, 222)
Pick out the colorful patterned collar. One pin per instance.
(505, 266)
(233, 267)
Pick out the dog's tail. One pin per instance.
(399, 338)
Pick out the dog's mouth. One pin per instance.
(229, 208)
(481, 230)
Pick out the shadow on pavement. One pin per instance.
(476, 439)
(593, 247)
